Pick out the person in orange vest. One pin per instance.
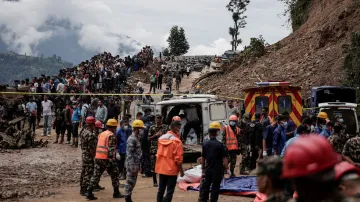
(169, 159)
(105, 160)
(230, 139)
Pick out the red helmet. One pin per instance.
(98, 124)
(309, 155)
(90, 120)
(345, 167)
(233, 118)
(176, 118)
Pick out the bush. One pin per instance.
(256, 47)
(298, 11)
(352, 64)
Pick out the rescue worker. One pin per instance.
(245, 143)
(309, 164)
(256, 137)
(268, 179)
(338, 139)
(214, 159)
(98, 127)
(230, 139)
(88, 146)
(198, 90)
(320, 122)
(133, 158)
(329, 129)
(301, 131)
(105, 160)
(169, 159)
(349, 177)
(280, 136)
(268, 137)
(155, 132)
(351, 150)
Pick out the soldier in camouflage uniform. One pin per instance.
(88, 147)
(133, 158)
(245, 143)
(155, 132)
(338, 139)
(351, 150)
(105, 160)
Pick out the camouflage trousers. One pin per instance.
(100, 166)
(86, 174)
(130, 183)
(153, 162)
(245, 161)
(232, 155)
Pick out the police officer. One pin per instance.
(230, 139)
(133, 157)
(214, 159)
(245, 143)
(309, 164)
(104, 160)
(256, 137)
(155, 132)
(268, 179)
(88, 147)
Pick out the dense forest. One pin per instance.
(18, 67)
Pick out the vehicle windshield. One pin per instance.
(347, 114)
(336, 94)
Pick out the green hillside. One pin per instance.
(18, 67)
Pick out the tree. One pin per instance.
(178, 44)
(237, 8)
(166, 52)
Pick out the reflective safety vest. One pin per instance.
(231, 140)
(102, 149)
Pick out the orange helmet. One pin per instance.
(98, 124)
(90, 120)
(176, 118)
(233, 118)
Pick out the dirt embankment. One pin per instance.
(311, 56)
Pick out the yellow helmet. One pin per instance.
(112, 123)
(198, 87)
(322, 115)
(215, 125)
(138, 124)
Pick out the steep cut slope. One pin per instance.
(311, 56)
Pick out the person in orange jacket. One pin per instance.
(169, 159)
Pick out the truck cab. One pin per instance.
(345, 110)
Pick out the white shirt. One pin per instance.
(139, 84)
(36, 85)
(60, 88)
(188, 69)
(46, 107)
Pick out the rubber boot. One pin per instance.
(90, 195)
(128, 199)
(57, 139)
(117, 193)
(61, 139)
(155, 180)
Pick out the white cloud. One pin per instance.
(218, 47)
(147, 22)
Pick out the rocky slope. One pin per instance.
(311, 56)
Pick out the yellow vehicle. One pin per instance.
(278, 97)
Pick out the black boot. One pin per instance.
(90, 195)
(117, 193)
(155, 180)
(128, 199)
(98, 188)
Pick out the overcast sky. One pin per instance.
(206, 22)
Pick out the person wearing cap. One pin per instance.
(105, 160)
(88, 148)
(321, 122)
(269, 180)
(349, 177)
(198, 90)
(169, 158)
(133, 158)
(214, 159)
(230, 139)
(155, 131)
(301, 130)
(309, 164)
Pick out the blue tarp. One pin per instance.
(236, 184)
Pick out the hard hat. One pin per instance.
(98, 124)
(309, 155)
(176, 118)
(198, 87)
(90, 120)
(322, 115)
(138, 124)
(233, 118)
(345, 167)
(112, 122)
(215, 125)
